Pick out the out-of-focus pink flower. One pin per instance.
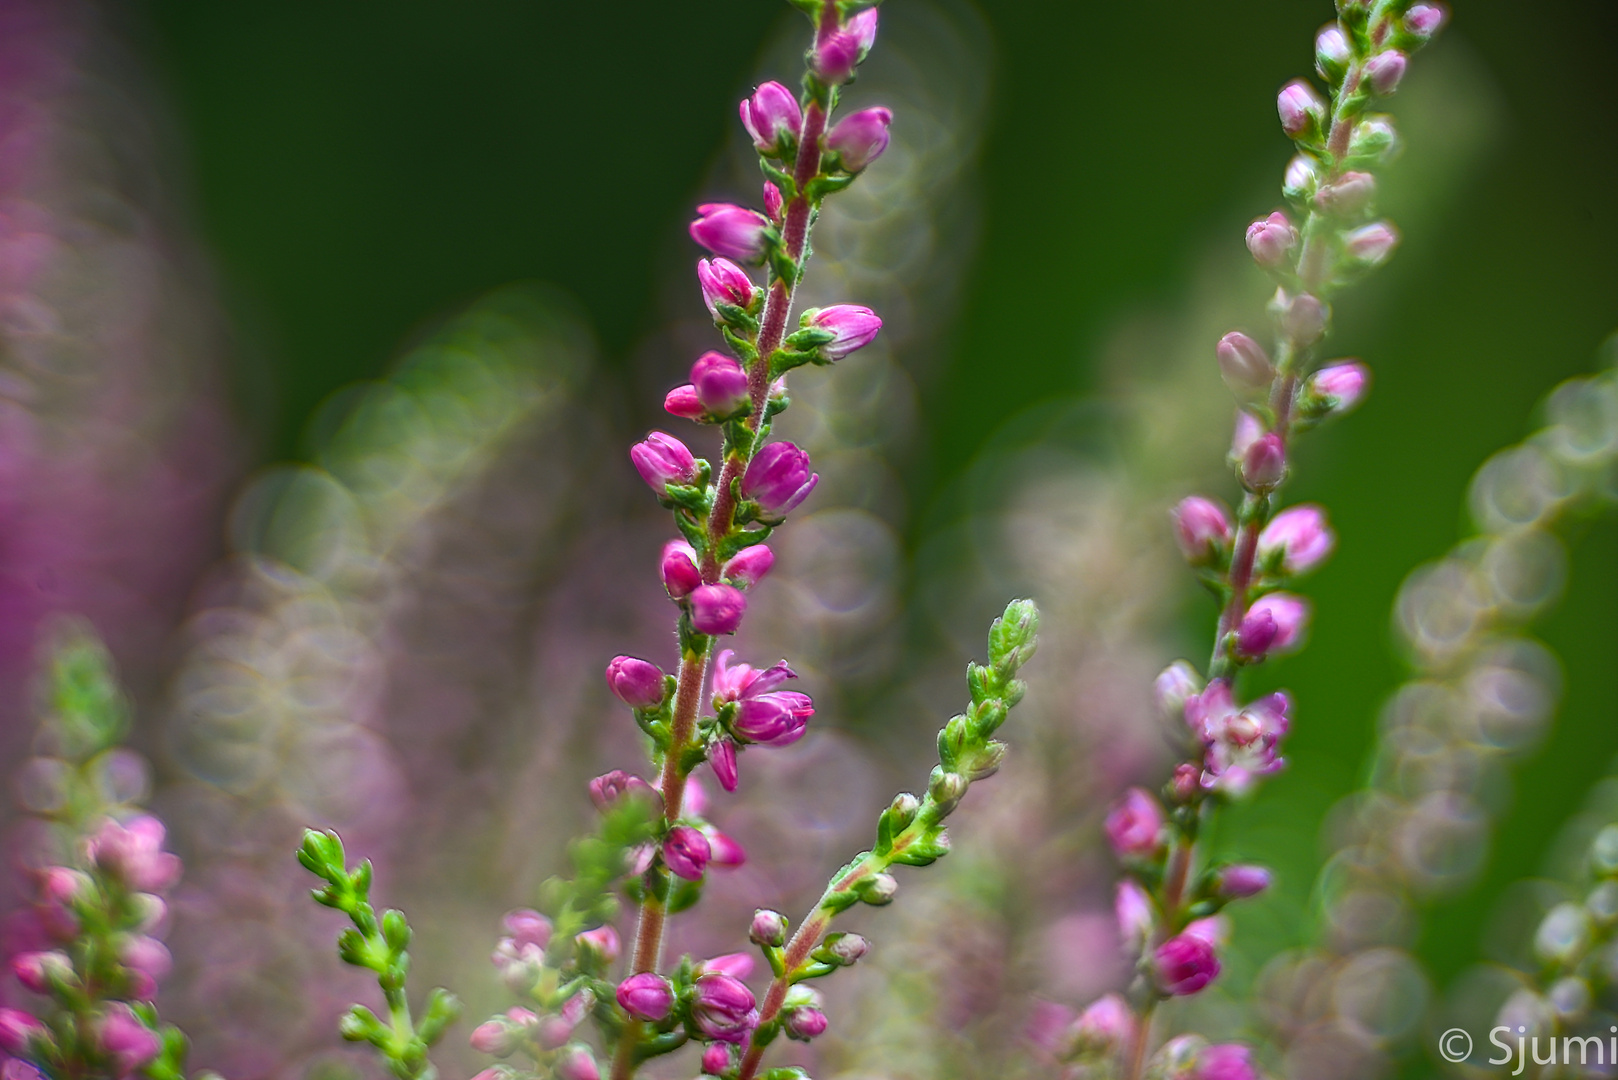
(738, 965)
(661, 459)
(1301, 537)
(60, 890)
(724, 851)
(1242, 743)
(772, 117)
(1341, 385)
(529, 927)
(860, 137)
(732, 232)
(1347, 195)
(1202, 529)
(1225, 1061)
(686, 852)
(575, 1062)
(716, 1058)
(679, 571)
(126, 1040)
(1177, 684)
(1265, 463)
(646, 996)
(1372, 244)
(554, 1030)
(723, 282)
(1135, 825)
(1184, 964)
(764, 714)
(1286, 613)
(1137, 919)
(607, 789)
(147, 961)
(37, 970)
(1106, 1027)
(1242, 881)
(635, 682)
(717, 609)
(1243, 364)
(749, 566)
(1332, 54)
(1424, 20)
(721, 384)
(778, 480)
(134, 854)
(1248, 431)
(1303, 317)
(17, 1031)
(602, 942)
(1385, 71)
(723, 1008)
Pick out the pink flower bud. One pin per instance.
(1185, 781)
(805, 1024)
(852, 327)
(1332, 54)
(1106, 1027)
(1303, 317)
(496, 1038)
(772, 202)
(1241, 882)
(724, 851)
(1184, 964)
(601, 944)
(1255, 635)
(723, 282)
(1225, 1061)
(680, 574)
(529, 927)
(1243, 364)
(846, 949)
(1300, 109)
(1135, 825)
(772, 117)
(1347, 195)
(607, 789)
(1372, 244)
(1424, 20)
(1248, 431)
(686, 852)
(694, 803)
(1338, 387)
(738, 965)
(18, 1030)
(778, 480)
(1374, 140)
(860, 138)
(1301, 178)
(839, 53)
(1178, 683)
(682, 402)
(1385, 71)
(717, 609)
(1264, 464)
(519, 965)
(38, 970)
(1301, 537)
(575, 1062)
(1288, 614)
(646, 996)
(555, 1030)
(1271, 239)
(147, 959)
(636, 683)
(134, 854)
(126, 1040)
(722, 758)
(662, 459)
(749, 566)
(721, 384)
(769, 928)
(732, 232)
(716, 1058)
(723, 1008)
(1137, 919)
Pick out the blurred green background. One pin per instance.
(363, 167)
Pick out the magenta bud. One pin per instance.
(1184, 964)
(1300, 536)
(575, 1062)
(680, 574)
(805, 1024)
(126, 1040)
(686, 852)
(1106, 1027)
(772, 201)
(860, 138)
(837, 54)
(724, 851)
(1137, 919)
(716, 1058)
(1226, 1061)
(723, 282)
(646, 996)
(732, 232)
(1255, 635)
(1332, 54)
(769, 928)
(37, 971)
(1243, 364)
(1288, 614)
(1385, 71)
(717, 609)
(1372, 244)
(134, 853)
(637, 683)
(1300, 108)
(722, 758)
(778, 480)
(1271, 239)
(1264, 464)
(852, 327)
(601, 944)
(749, 566)
(1424, 20)
(721, 384)
(529, 927)
(1135, 825)
(682, 401)
(662, 459)
(1348, 195)
(723, 1008)
(18, 1032)
(1338, 388)
(772, 117)
(1241, 882)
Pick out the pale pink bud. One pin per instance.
(749, 566)
(682, 402)
(134, 853)
(1347, 195)
(1303, 317)
(769, 928)
(1385, 70)
(38, 970)
(554, 1030)
(60, 891)
(847, 949)
(805, 1024)
(575, 1062)
(1202, 529)
(18, 1031)
(1243, 364)
(724, 851)
(721, 384)
(1301, 178)
(601, 944)
(1184, 964)
(519, 965)
(738, 965)
(661, 459)
(732, 232)
(1178, 683)
(1271, 239)
(646, 996)
(1332, 54)
(496, 1038)
(686, 852)
(1300, 109)
(1106, 1026)
(678, 569)
(1248, 431)
(772, 117)
(723, 1008)
(851, 326)
(1338, 387)
(1289, 615)
(1135, 825)
(716, 1058)
(717, 609)
(1264, 464)
(722, 758)
(1240, 882)
(1424, 20)
(126, 1040)
(860, 138)
(723, 282)
(529, 927)
(1137, 920)
(637, 683)
(1301, 537)
(778, 479)
(146, 956)
(1372, 244)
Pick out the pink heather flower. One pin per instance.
(1215, 930)
(1348, 195)
(37, 970)
(601, 943)
(662, 459)
(1265, 463)
(682, 402)
(126, 1040)
(1137, 919)
(147, 961)
(605, 790)
(529, 927)
(1341, 385)
(716, 1058)
(496, 1038)
(805, 1024)
(738, 965)
(721, 384)
(646, 996)
(680, 575)
(717, 609)
(1372, 244)
(840, 53)
(575, 1062)
(723, 1008)
(1241, 882)
(1301, 536)
(1271, 239)
(518, 964)
(686, 852)
(860, 138)
(1256, 634)
(60, 890)
(1385, 70)
(724, 851)
(1225, 1061)
(18, 1069)
(732, 232)
(852, 327)
(1177, 683)
(722, 757)
(555, 1030)
(1106, 1026)
(763, 714)
(1184, 782)
(1424, 20)
(1288, 614)
(768, 928)
(723, 282)
(1300, 108)
(772, 201)
(1184, 964)
(1241, 743)
(1301, 177)
(749, 566)
(1249, 429)
(17, 1031)
(1331, 52)
(637, 683)
(134, 854)
(1243, 364)
(772, 117)
(1135, 825)
(1303, 317)
(778, 480)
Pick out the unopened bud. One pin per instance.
(1375, 140)
(769, 928)
(946, 788)
(1371, 245)
(1301, 179)
(1184, 783)
(1384, 71)
(902, 811)
(1240, 882)
(1348, 195)
(1332, 54)
(880, 890)
(845, 949)
(1270, 239)
(1301, 110)
(1265, 464)
(1178, 683)
(1243, 363)
(1303, 317)
(1424, 20)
